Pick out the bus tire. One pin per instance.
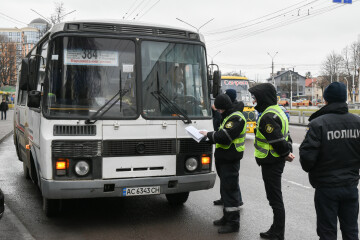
(51, 207)
(177, 199)
(26, 171)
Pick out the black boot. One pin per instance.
(218, 202)
(232, 224)
(220, 222)
(271, 234)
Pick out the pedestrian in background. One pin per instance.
(217, 121)
(230, 145)
(330, 153)
(272, 149)
(3, 108)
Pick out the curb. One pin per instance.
(7, 135)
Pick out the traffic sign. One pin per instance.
(343, 1)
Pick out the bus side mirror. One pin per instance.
(34, 99)
(32, 74)
(24, 75)
(216, 83)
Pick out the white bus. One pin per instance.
(101, 110)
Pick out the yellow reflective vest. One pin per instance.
(239, 142)
(262, 146)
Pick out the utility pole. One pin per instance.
(347, 90)
(290, 90)
(353, 85)
(272, 68)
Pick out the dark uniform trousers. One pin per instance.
(271, 174)
(342, 202)
(229, 183)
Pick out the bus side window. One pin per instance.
(43, 60)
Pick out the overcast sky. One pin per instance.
(319, 27)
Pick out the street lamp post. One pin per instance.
(290, 90)
(212, 58)
(347, 90)
(272, 68)
(197, 29)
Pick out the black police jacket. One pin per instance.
(233, 131)
(330, 152)
(266, 96)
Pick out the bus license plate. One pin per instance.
(136, 191)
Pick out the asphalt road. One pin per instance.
(150, 217)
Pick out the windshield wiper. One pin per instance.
(162, 98)
(92, 119)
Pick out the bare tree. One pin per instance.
(7, 61)
(332, 66)
(233, 73)
(59, 13)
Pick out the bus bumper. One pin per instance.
(95, 188)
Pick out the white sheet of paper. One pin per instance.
(194, 133)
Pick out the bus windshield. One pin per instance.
(86, 72)
(177, 71)
(241, 87)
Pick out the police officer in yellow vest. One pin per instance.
(272, 148)
(230, 145)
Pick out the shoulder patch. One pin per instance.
(269, 128)
(229, 125)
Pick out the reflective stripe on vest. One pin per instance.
(239, 142)
(262, 146)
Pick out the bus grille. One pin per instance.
(137, 30)
(189, 145)
(104, 27)
(74, 130)
(171, 33)
(114, 148)
(76, 148)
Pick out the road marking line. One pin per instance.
(297, 184)
(18, 224)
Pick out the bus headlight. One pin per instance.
(191, 164)
(251, 125)
(82, 168)
(247, 125)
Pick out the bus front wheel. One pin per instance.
(177, 199)
(51, 207)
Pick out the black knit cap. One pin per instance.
(223, 102)
(335, 92)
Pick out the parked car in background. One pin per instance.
(287, 113)
(306, 103)
(284, 101)
(2, 206)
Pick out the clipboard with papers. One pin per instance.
(195, 133)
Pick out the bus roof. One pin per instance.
(234, 77)
(128, 27)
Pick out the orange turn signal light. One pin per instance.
(205, 160)
(62, 164)
(27, 146)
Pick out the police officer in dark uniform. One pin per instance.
(230, 145)
(330, 153)
(272, 149)
(217, 122)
